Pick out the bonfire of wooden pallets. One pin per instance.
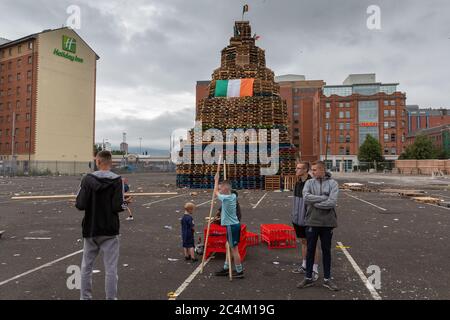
(264, 109)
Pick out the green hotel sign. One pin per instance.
(69, 47)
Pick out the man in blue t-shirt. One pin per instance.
(229, 220)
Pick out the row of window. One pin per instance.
(6, 146)
(18, 118)
(18, 105)
(347, 104)
(19, 49)
(18, 77)
(341, 114)
(19, 63)
(10, 91)
(342, 125)
(16, 132)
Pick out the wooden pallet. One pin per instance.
(429, 200)
(272, 183)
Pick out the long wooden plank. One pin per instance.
(70, 196)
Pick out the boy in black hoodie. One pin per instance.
(101, 198)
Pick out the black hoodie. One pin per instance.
(101, 198)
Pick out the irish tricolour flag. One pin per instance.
(234, 88)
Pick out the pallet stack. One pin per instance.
(265, 109)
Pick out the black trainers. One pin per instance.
(194, 259)
(330, 285)
(187, 258)
(305, 283)
(222, 273)
(238, 275)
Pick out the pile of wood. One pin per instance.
(264, 110)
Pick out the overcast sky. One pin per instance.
(153, 52)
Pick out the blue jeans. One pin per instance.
(312, 236)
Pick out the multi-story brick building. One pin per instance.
(424, 118)
(47, 97)
(439, 135)
(303, 101)
(359, 107)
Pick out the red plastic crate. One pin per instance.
(278, 236)
(252, 239)
(218, 237)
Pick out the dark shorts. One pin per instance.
(234, 234)
(188, 242)
(300, 231)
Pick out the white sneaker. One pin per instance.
(315, 276)
(129, 218)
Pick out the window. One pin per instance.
(393, 124)
(403, 137)
(328, 138)
(30, 45)
(386, 150)
(341, 138)
(18, 76)
(327, 126)
(28, 103)
(18, 91)
(296, 114)
(27, 131)
(19, 49)
(29, 74)
(27, 145)
(393, 151)
(393, 113)
(18, 104)
(19, 63)
(341, 126)
(347, 125)
(392, 102)
(347, 104)
(386, 137)
(341, 104)
(347, 114)
(386, 102)
(386, 113)
(30, 59)
(347, 138)
(341, 114)
(341, 150)
(10, 78)
(403, 123)
(327, 115)
(328, 105)
(16, 132)
(27, 116)
(8, 105)
(393, 137)
(29, 88)
(386, 124)
(347, 151)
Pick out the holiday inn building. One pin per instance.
(47, 98)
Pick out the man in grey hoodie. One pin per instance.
(320, 195)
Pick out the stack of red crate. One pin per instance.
(218, 237)
(278, 236)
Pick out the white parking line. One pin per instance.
(374, 205)
(435, 205)
(361, 274)
(199, 205)
(265, 194)
(49, 264)
(189, 279)
(165, 199)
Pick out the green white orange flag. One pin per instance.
(234, 88)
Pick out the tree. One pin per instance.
(117, 152)
(370, 150)
(422, 148)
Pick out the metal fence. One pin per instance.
(42, 168)
(39, 168)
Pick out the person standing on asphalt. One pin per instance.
(298, 217)
(320, 194)
(101, 198)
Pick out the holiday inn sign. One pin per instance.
(69, 45)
